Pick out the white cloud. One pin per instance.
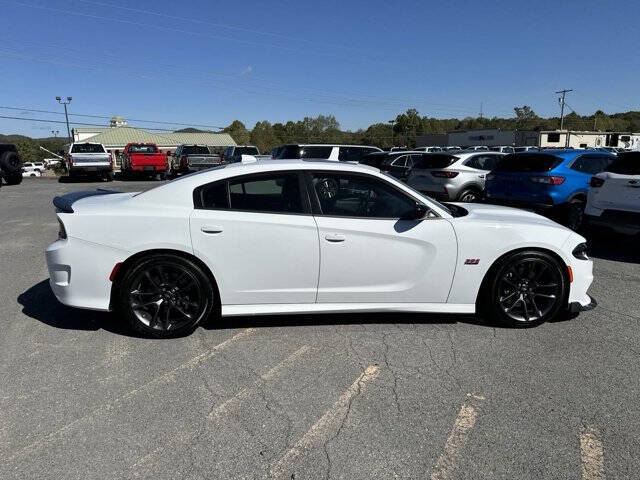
(247, 70)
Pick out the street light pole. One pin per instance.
(66, 115)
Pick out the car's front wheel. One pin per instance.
(165, 295)
(527, 288)
(469, 195)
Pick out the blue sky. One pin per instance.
(206, 62)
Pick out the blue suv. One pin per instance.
(556, 180)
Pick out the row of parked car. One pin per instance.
(575, 186)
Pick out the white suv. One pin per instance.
(340, 153)
(614, 198)
(33, 167)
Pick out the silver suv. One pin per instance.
(459, 177)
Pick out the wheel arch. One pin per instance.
(496, 263)
(133, 259)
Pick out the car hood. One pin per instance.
(495, 214)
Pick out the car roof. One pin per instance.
(327, 145)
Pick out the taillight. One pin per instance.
(444, 174)
(69, 159)
(110, 160)
(549, 180)
(596, 182)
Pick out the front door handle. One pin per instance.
(334, 238)
(211, 230)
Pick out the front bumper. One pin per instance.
(576, 307)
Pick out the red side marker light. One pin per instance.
(570, 274)
(114, 272)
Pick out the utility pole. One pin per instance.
(561, 100)
(66, 115)
(480, 110)
(392, 122)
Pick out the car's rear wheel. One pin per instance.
(469, 195)
(165, 295)
(527, 288)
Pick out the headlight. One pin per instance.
(580, 252)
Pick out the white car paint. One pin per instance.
(291, 263)
(619, 194)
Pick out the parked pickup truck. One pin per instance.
(143, 159)
(191, 158)
(89, 159)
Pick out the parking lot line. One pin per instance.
(325, 424)
(168, 376)
(592, 454)
(457, 439)
(218, 411)
(249, 391)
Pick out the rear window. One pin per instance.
(435, 161)
(195, 150)
(528, 162)
(376, 160)
(246, 151)
(143, 149)
(626, 164)
(296, 151)
(87, 148)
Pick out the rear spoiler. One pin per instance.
(64, 203)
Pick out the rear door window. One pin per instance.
(272, 193)
(528, 162)
(195, 150)
(483, 162)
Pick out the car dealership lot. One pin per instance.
(340, 396)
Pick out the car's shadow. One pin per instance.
(39, 303)
(614, 246)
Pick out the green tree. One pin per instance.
(238, 132)
(263, 137)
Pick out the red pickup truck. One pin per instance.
(143, 159)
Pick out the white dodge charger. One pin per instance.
(296, 236)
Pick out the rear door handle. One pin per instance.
(211, 230)
(334, 238)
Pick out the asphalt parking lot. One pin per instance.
(354, 396)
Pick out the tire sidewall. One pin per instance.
(124, 287)
(493, 292)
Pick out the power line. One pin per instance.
(563, 92)
(108, 117)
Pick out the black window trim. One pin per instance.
(317, 209)
(305, 200)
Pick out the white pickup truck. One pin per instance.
(90, 159)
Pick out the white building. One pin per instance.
(586, 139)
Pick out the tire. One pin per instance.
(13, 178)
(183, 290)
(162, 176)
(10, 162)
(574, 215)
(109, 177)
(525, 289)
(469, 195)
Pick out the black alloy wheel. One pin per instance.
(528, 288)
(165, 296)
(575, 215)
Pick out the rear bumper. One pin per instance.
(79, 272)
(90, 168)
(149, 168)
(576, 307)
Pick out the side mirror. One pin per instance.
(419, 212)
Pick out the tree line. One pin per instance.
(410, 124)
(402, 132)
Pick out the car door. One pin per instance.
(258, 236)
(397, 167)
(368, 253)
